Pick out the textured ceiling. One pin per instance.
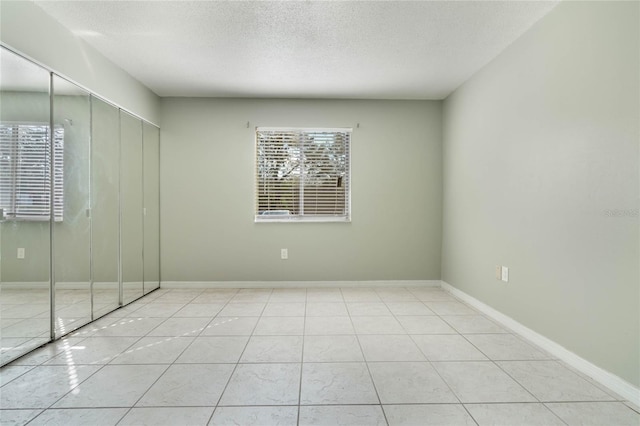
(311, 49)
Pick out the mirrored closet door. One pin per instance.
(79, 206)
(25, 194)
(72, 202)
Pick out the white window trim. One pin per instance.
(306, 218)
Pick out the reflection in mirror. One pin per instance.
(105, 152)
(151, 169)
(25, 196)
(131, 207)
(72, 227)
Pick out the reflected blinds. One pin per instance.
(25, 171)
(302, 174)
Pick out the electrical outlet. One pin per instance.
(498, 272)
(20, 253)
(505, 274)
(284, 254)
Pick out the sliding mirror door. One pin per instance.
(25, 194)
(72, 224)
(131, 203)
(105, 206)
(151, 178)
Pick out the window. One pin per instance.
(302, 174)
(25, 171)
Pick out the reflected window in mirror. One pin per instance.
(25, 171)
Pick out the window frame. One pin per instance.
(304, 218)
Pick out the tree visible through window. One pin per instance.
(302, 174)
(25, 171)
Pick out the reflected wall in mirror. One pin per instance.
(131, 213)
(151, 172)
(72, 227)
(105, 153)
(25, 167)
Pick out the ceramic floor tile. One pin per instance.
(263, 384)
(214, 349)
(183, 327)
(44, 385)
(273, 349)
(346, 415)
(193, 310)
(501, 347)
(326, 309)
(230, 326)
(360, 295)
(332, 349)
(184, 385)
(250, 298)
(477, 381)
(428, 415)
(255, 416)
(451, 308)
(154, 350)
(280, 326)
(284, 309)
(595, 413)
(409, 383)
(324, 295)
(409, 308)
(128, 382)
(288, 295)
(177, 296)
(10, 372)
(513, 414)
(242, 310)
(328, 326)
(469, 324)
(390, 348)
(551, 381)
(447, 347)
(395, 295)
(367, 309)
(131, 326)
(432, 295)
(45, 353)
(80, 417)
(425, 325)
(17, 417)
(212, 298)
(337, 383)
(93, 350)
(159, 310)
(169, 416)
(377, 325)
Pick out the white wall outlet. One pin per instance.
(498, 272)
(284, 254)
(20, 253)
(505, 274)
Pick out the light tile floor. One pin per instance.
(397, 356)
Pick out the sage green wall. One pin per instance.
(207, 198)
(26, 27)
(541, 174)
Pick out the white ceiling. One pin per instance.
(310, 49)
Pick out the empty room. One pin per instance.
(320, 213)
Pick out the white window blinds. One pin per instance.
(25, 171)
(302, 174)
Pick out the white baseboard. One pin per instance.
(298, 284)
(605, 378)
